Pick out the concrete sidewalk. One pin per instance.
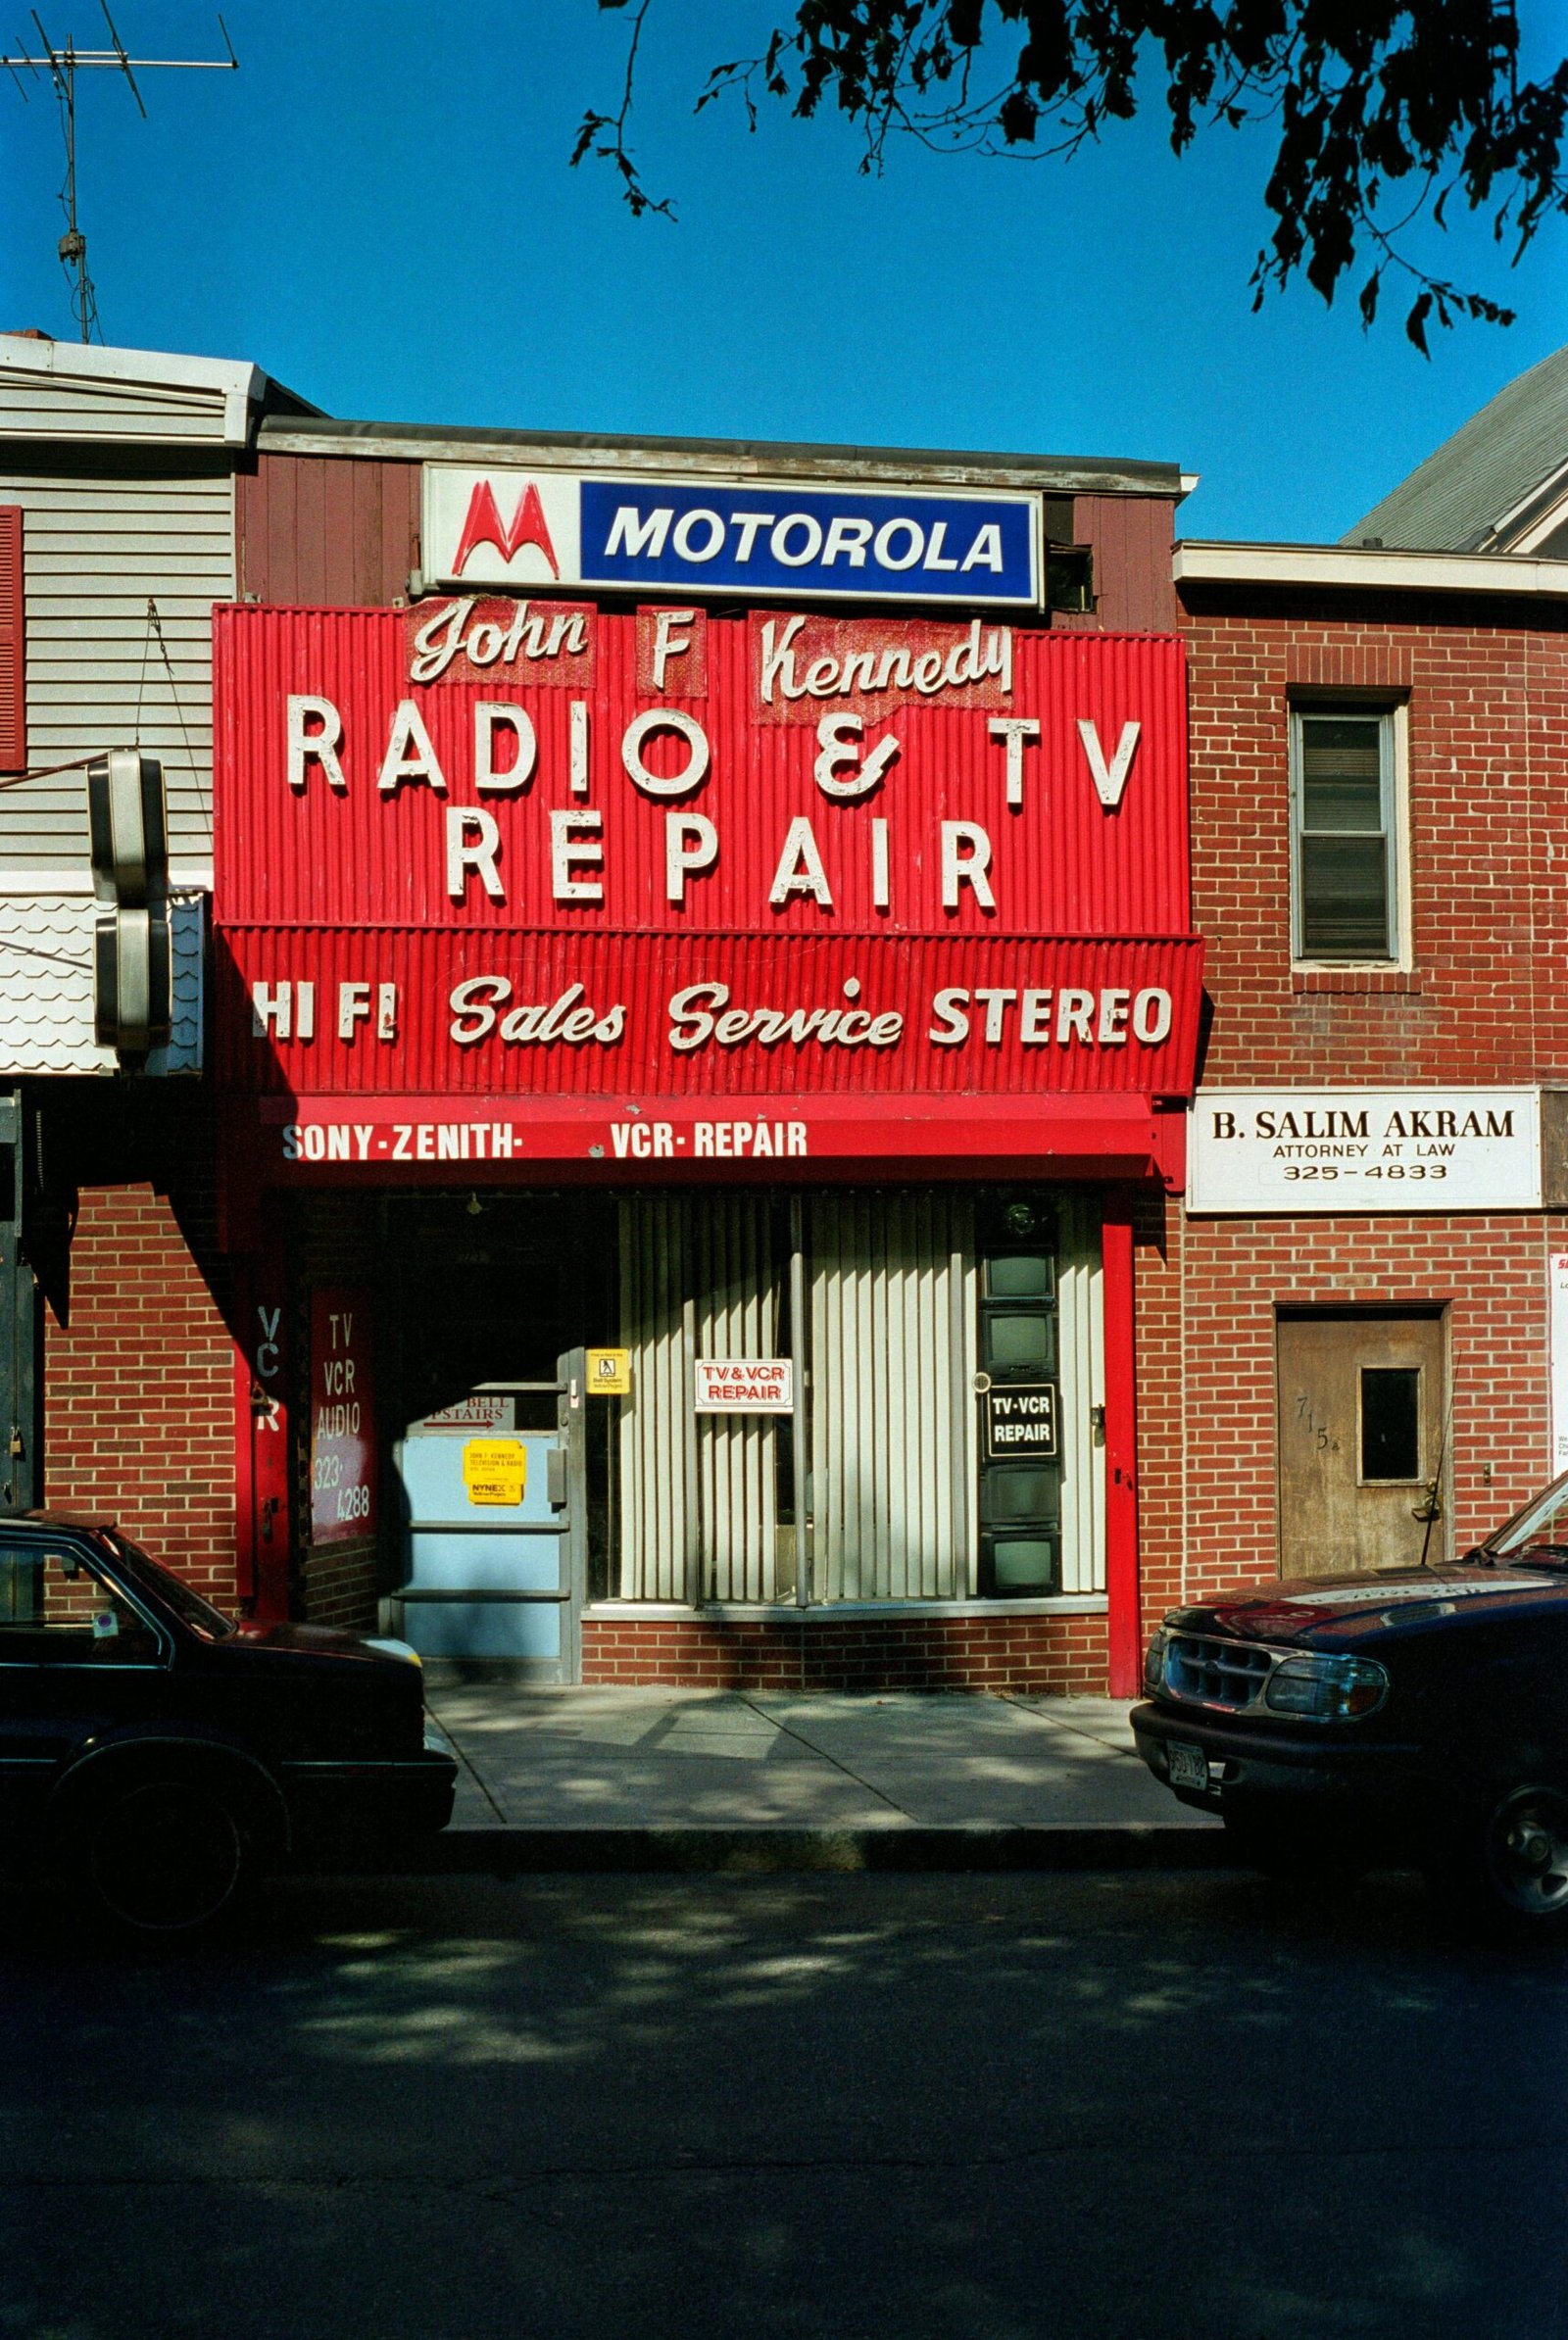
(656, 1779)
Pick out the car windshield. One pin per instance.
(1538, 1533)
(175, 1593)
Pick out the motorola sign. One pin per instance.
(840, 543)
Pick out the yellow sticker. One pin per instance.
(610, 1373)
(494, 1469)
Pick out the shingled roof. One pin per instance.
(1495, 485)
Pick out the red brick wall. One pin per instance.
(1488, 721)
(1215, 1521)
(341, 1587)
(1157, 1233)
(1483, 1003)
(138, 1389)
(864, 1653)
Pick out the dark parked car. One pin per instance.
(1419, 1713)
(166, 1757)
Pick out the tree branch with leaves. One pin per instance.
(1384, 116)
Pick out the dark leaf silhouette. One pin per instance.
(1375, 106)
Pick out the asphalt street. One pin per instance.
(976, 2108)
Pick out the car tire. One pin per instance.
(1506, 1863)
(163, 1855)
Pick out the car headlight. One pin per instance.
(1326, 1690)
(1154, 1661)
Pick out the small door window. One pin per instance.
(1391, 1422)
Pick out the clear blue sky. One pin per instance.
(377, 210)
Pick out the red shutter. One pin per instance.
(13, 674)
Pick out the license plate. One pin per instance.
(1189, 1765)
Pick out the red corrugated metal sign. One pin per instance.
(541, 851)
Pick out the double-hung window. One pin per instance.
(1346, 873)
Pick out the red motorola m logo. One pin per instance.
(484, 526)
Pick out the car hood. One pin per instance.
(312, 1640)
(1307, 1609)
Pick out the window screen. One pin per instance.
(1345, 905)
(1391, 1422)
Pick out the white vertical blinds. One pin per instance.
(1081, 1332)
(718, 1251)
(738, 1316)
(658, 1521)
(891, 1282)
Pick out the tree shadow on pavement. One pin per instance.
(788, 2109)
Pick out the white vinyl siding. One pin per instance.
(36, 407)
(96, 547)
(122, 397)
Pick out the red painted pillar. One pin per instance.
(244, 1444)
(250, 1233)
(269, 1521)
(1124, 1624)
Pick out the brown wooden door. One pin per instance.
(1360, 1436)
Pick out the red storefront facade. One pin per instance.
(790, 989)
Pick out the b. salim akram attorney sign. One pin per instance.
(1365, 1149)
(518, 528)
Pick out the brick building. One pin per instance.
(1359, 1293)
(324, 1315)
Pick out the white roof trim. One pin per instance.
(1365, 567)
(236, 380)
(1545, 486)
(189, 877)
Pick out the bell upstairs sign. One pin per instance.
(520, 530)
(507, 881)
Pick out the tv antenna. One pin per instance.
(62, 65)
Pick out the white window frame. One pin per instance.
(1394, 761)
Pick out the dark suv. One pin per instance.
(166, 1757)
(1418, 1713)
